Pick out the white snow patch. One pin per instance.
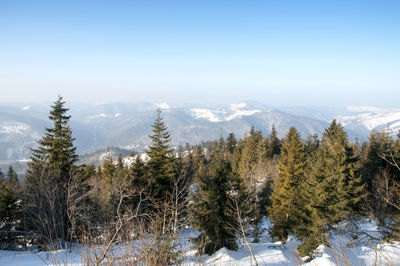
(236, 106)
(163, 106)
(372, 118)
(240, 113)
(104, 155)
(219, 115)
(13, 128)
(24, 160)
(144, 157)
(363, 109)
(128, 161)
(98, 116)
(26, 107)
(117, 115)
(205, 114)
(130, 147)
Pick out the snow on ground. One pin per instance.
(365, 249)
(31, 258)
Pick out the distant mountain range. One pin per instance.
(127, 126)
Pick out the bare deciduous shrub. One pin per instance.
(45, 207)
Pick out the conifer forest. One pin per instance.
(225, 190)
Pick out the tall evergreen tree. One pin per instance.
(160, 164)
(49, 172)
(120, 162)
(311, 144)
(56, 148)
(250, 153)
(109, 170)
(138, 172)
(286, 199)
(273, 143)
(247, 163)
(380, 173)
(380, 144)
(9, 209)
(210, 206)
(231, 143)
(7, 196)
(12, 177)
(333, 190)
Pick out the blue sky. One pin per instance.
(282, 52)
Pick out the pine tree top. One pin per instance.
(56, 147)
(160, 138)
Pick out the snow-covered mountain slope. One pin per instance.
(235, 111)
(367, 118)
(127, 125)
(21, 127)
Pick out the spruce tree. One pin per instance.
(231, 143)
(161, 163)
(380, 174)
(250, 154)
(109, 170)
(273, 144)
(138, 182)
(56, 148)
(9, 209)
(334, 172)
(248, 161)
(7, 196)
(333, 191)
(380, 144)
(210, 203)
(120, 162)
(12, 177)
(311, 144)
(286, 200)
(49, 172)
(138, 172)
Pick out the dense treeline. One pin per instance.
(222, 188)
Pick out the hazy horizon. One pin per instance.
(190, 104)
(311, 53)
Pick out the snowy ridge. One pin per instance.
(363, 109)
(240, 113)
(210, 115)
(127, 125)
(235, 111)
(372, 118)
(163, 106)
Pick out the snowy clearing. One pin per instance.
(366, 249)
